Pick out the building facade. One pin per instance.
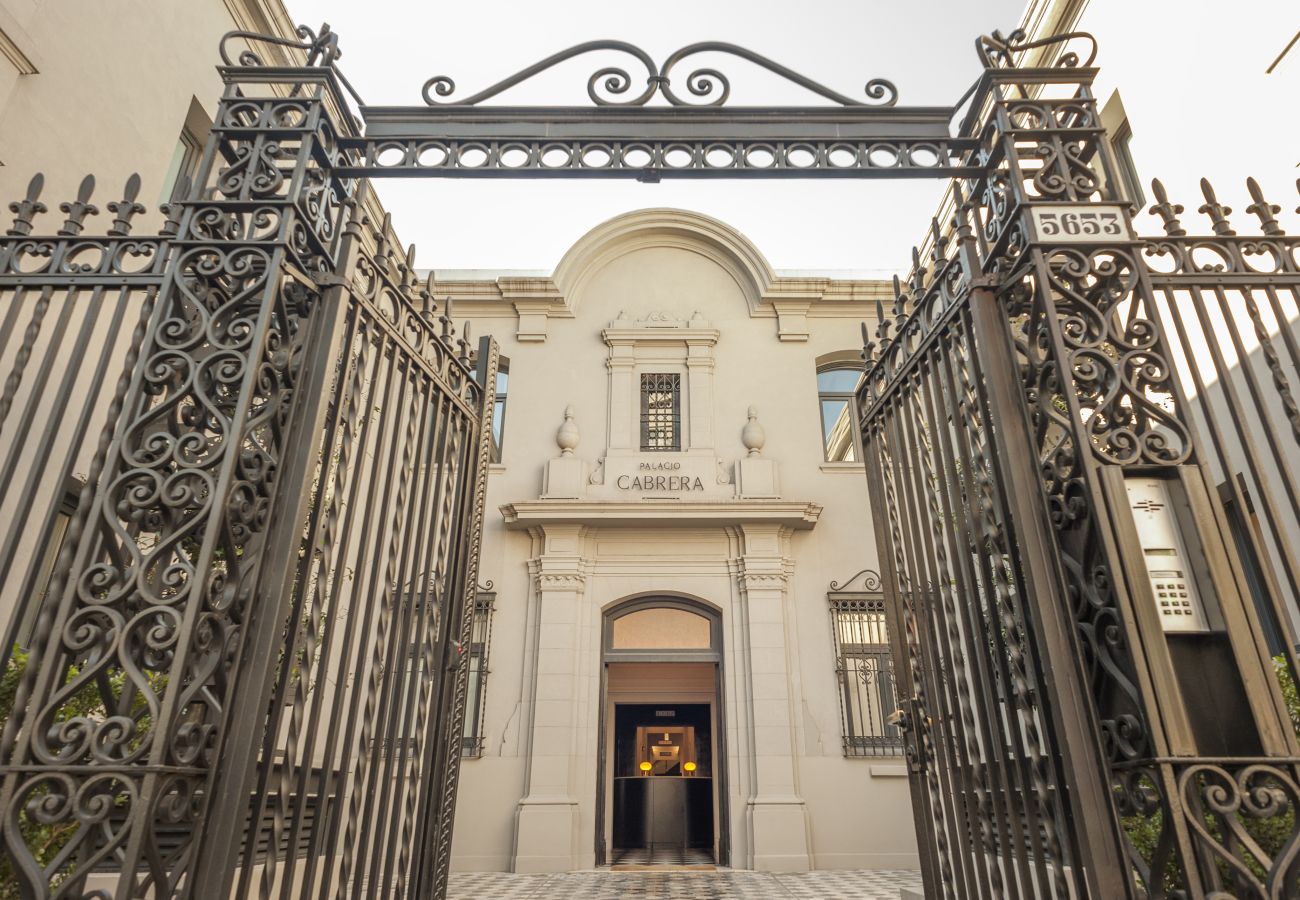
(679, 651)
(680, 521)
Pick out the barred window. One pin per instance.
(661, 411)
(476, 695)
(865, 675)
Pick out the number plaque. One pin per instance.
(1082, 223)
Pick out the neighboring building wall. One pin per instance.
(689, 291)
(1192, 78)
(1187, 93)
(88, 87)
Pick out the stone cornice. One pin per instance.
(16, 45)
(621, 336)
(796, 515)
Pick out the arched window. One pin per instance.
(835, 387)
(662, 628)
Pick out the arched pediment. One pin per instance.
(672, 228)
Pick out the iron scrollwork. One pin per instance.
(710, 86)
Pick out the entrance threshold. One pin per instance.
(660, 859)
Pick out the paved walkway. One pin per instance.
(724, 884)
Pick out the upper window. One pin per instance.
(835, 389)
(499, 409)
(661, 411)
(183, 169)
(1128, 173)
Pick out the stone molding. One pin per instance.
(795, 515)
(534, 299)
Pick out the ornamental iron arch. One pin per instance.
(1042, 365)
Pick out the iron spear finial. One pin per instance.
(28, 208)
(868, 347)
(127, 208)
(172, 208)
(1263, 209)
(80, 208)
(381, 238)
(1168, 212)
(1217, 212)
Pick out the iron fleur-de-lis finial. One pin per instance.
(463, 342)
(917, 278)
(448, 330)
(961, 213)
(868, 347)
(27, 209)
(900, 305)
(172, 209)
(1168, 212)
(428, 306)
(939, 248)
(78, 209)
(407, 271)
(381, 238)
(882, 327)
(127, 208)
(1217, 212)
(1263, 209)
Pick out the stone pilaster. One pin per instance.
(548, 818)
(776, 816)
(699, 385)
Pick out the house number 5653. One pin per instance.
(1078, 223)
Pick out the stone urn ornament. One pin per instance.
(753, 436)
(567, 435)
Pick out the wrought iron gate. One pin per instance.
(245, 672)
(1090, 715)
(248, 673)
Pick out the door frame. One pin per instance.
(713, 655)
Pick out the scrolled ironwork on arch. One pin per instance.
(709, 85)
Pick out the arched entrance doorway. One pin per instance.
(661, 789)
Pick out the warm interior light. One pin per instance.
(689, 767)
(646, 767)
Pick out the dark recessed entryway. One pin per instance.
(663, 785)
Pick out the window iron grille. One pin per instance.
(866, 677)
(661, 412)
(476, 694)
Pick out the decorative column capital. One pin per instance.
(770, 580)
(566, 581)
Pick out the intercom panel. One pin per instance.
(1177, 599)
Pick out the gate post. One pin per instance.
(167, 578)
(449, 722)
(1199, 752)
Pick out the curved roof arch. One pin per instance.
(664, 227)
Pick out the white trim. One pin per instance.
(796, 515)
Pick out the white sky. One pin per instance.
(926, 47)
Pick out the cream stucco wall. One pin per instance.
(675, 279)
